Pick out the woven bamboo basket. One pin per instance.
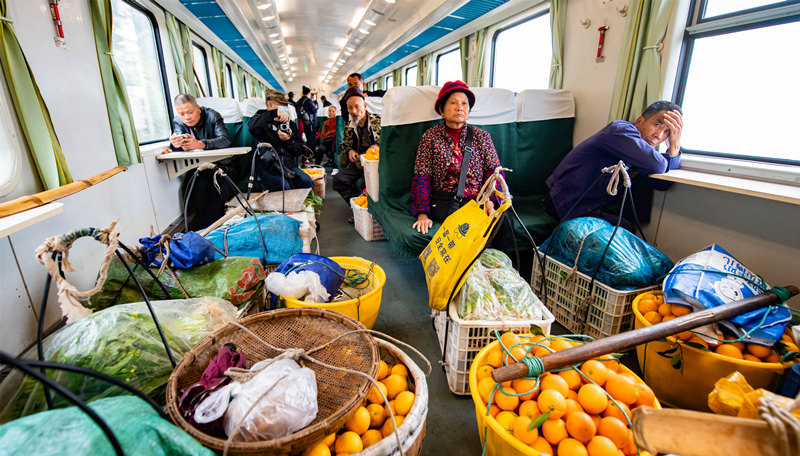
(338, 393)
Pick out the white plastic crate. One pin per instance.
(610, 313)
(366, 225)
(465, 338)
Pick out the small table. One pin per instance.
(181, 162)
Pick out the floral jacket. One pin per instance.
(350, 138)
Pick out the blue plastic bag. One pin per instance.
(185, 250)
(713, 277)
(630, 262)
(241, 238)
(331, 275)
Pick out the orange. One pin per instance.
(485, 386)
(739, 344)
(646, 396)
(749, 357)
(495, 356)
(695, 339)
(541, 351)
(403, 402)
(622, 389)
(554, 431)
(615, 430)
(515, 355)
(668, 318)
(330, 439)
(571, 447)
(395, 384)
(526, 385)
(555, 382)
(506, 420)
(359, 422)
(399, 369)
(506, 401)
(371, 437)
(529, 409)
(630, 448)
(665, 310)
(573, 395)
(758, 351)
(484, 371)
(376, 416)
(729, 350)
(618, 412)
(601, 446)
(680, 310)
(686, 335)
(388, 409)
(572, 377)
(494, 410)
(388, 428)
(552, 401)
(542, 445)
(596, 419)
(580, 426)
(319, 449)
(592, 398)
(573, 406)
(596, 371)
(374, 395)
(383, 370)
(646, 305)
(772, 358)
(349, 442)
(509, 339)
(653, 317)
(520, 430)
(610, 362)
(560, 344)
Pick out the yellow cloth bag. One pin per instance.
(459, 241)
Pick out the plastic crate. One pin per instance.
(365, 223)
(317, 175)
(610, 313)
(465, 338)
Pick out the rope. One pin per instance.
(164, 243)
(615, 172)
(69, 298)
(298, 354)
(782, 293)
(784, 426)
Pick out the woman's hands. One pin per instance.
(489, 207)
(423, 224)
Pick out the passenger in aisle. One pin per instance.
(363, 132)
(357, 80)
(632, 142)
(327, 138)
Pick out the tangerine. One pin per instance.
(374, 395)
(592, 398)
(383, 370)
(371, 437)
(399, 369)
(749, 357)
(647, 304)
(621, 412)
(388, 427)
(665, 310)
(485, 387)
(484, 371)
(610, 362)
(319, 449)
(759, 351)
(622, 389)
(580, 426)
(376, 416)
(738, 344)
(572, 377)
(529, 409)
(506, 420)
(542, 445)
(653, 317)
(509, 339)
(388, 410)
(495, 356)
(729, 350)
(555, 382)
(554, 431)
(646, 396)
(668, 318)
(494, 410)
(573, 406)
(526, 385)
(596, 371)
(403, 402)
(601, 446)
(395, 384)
(680, 310)
(573, 395)
(560, 344)
(658, 297)
(772, 358)
(552, 401)
(330, 439)
(359, 422)
(615, 430)
(349, 442)
(571, 447)
(506, 401)
(695, 339)
(519, 428)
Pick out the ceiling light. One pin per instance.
(357, 16)
(267, 18)
(348, 53)
(390, 1)
(349, 49)
(369, 22)
(274, 35)
(263, 6)
(365, 32)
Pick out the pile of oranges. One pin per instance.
(653, 308)
(371, 422)
(373, 153)
(361, 201)
(566, 414)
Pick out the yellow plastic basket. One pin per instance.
(500, 442)
(363, 308)
(701, 369)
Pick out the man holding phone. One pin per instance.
(196, 127)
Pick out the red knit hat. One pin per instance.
(448, 88)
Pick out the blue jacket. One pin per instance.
(619, 140)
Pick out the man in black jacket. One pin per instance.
(307, 113)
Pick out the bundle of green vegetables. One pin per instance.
(121, 341)
(494, 290)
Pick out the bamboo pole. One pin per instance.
(48, 196)
(230, 215)
(630, 339)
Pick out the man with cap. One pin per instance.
(363, 132)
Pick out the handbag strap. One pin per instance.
(462, 180)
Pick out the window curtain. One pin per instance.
(425, 70)
(123, 131)
(558, 23)
(476, 70)
(380, 82)
(33, 115)
(238, 74)
(180, 44)
(463, 46)
(638, 81)
(218, 60)
(397, 77)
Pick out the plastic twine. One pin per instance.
(782, 293)
(534, 364)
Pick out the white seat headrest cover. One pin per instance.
(412, 104)
(544, 104)
(227, 107)
(249, 106)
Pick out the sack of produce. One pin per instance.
(135, 424)
(123, 342)
(494, 290)
(279, 233)
(629, 263)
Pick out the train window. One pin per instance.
(411, 75)
(136, 47)
(508, 69)
(389, 82)
(10, 146)
(201, 69)
(245, 85)
(715, 8)
(448, 67)
(231, 82)
(734, 71)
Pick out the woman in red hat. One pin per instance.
(440, 154)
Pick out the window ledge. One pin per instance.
(745, 186)
(13, 223)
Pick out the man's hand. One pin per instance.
(283, 136)
(489, 207)
(192, 144)
(422, 224)
(674, 121)
(282, 117)
(352, 155)
(176, 140)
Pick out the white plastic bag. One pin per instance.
(290, 404)
(304, 285)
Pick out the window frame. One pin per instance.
(502, 27)
(202, 49)
(441, 52)
(405, 74)
(386, 80)
(161, 63)
(231, 81)
(697, 28)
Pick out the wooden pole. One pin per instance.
(628, 340)
(48, 196)
(230, 215)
